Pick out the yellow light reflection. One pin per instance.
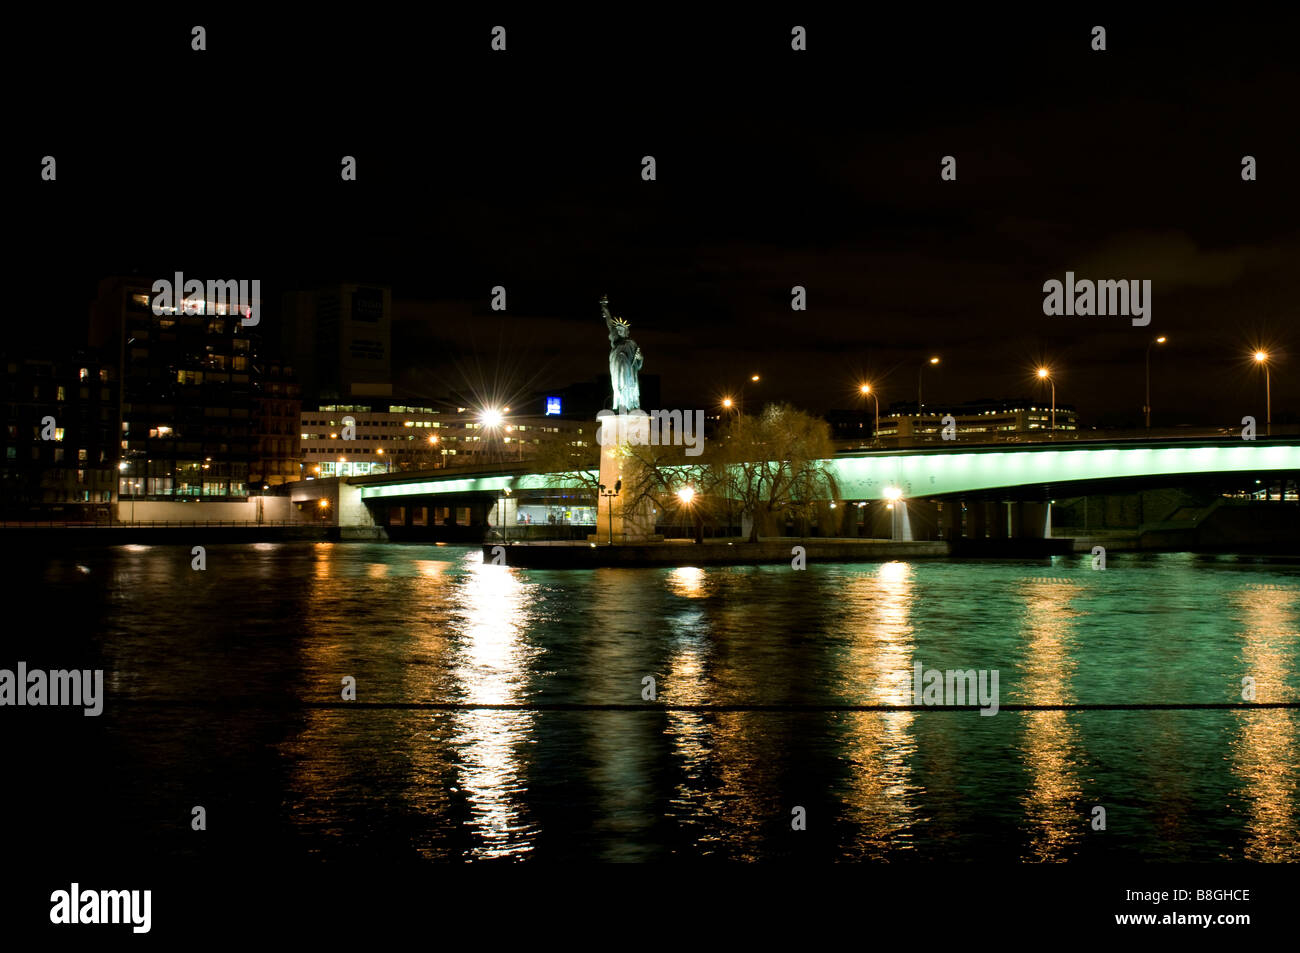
(1050, 743)
(882, 795)
(687, 581)
(491, 667)
(1264, 751)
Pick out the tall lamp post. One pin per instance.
(505, 527)
(919, 371)
(866, 391)
(609, 495)
(687, 497)
(755, 379)
(1046, 375)
(1261, 358)
(1146, 408)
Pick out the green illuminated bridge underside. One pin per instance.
(865, 476)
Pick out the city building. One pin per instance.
(991, 420)
(339, 339)
(390, 438)
(59, 458)
(277, 419)
(185, 414)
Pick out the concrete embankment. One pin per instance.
(18, 537)
(568, 555)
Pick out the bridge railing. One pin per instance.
(966, 438)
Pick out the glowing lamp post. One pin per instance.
(1146, 410)
(865, 390)
(686, 495)
(1261, 358)
(1046, 375)
(609, 495)
(919, 370)
(895, 505)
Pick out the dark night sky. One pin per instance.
(774, 169)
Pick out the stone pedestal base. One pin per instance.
(633, 521)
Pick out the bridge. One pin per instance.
(968, 491)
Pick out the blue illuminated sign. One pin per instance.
(552, 406)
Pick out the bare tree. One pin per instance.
(570, 465)
(777, 461)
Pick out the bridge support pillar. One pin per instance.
(848, 520)
(997, 512)
(923, 519)
(950, 520)
(1032, 520)
(977, 522)
(880, 520)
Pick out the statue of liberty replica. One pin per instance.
(624, 362)
(625, 513)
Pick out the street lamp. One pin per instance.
(687, 497)
(503, 516)
(1261, 357)
(919, 405)
(866, 390)
(1046, 375)
(894, 495)
(1146, 409)
(609, 495)
(754, 378)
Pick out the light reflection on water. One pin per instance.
(492, 668)
(421, 624)
(1052, 802)
(1266, 738)
(882, 795)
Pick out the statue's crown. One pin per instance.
(621, 323)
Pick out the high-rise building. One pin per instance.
(59, 457)
(277, 409)
(339, 338)
(185, 418)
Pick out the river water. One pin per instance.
(225, 690)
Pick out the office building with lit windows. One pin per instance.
(391, 438)
(186, 428)
(987, 420)
(59, 457)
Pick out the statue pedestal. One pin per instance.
(627, 519)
